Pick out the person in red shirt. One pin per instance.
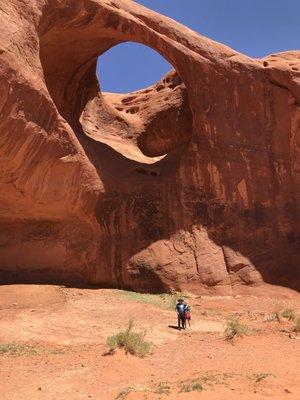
(187, 314)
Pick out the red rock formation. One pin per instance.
(192, 184)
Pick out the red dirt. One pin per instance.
(71, 326)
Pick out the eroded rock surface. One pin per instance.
(192, 184)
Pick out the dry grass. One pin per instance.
(126, 392)
(191, 387)
(162, 388)
(235, 328)
(164, 300)
(260, 377)
(132, 342)
(22, 349)
(205, 380)
(297, 325)
(274, 316)
(289, 313)
(17, 349)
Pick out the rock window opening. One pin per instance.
(129, 67)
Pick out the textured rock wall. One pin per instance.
(192, 184)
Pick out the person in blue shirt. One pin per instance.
(180, 310)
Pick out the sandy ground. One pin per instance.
(65, 332)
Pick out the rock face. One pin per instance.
(192, 184)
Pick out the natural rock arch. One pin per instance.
(72, 82)
(86, 197)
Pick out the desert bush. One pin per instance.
(297, 325)
(275, 316)
(132, 342)
(123, 394)
(23, 349)
(126, 392)
(260, 377)
(234, 328)
(162, 388)
(191, 387)
(289, 313)
(18, 349)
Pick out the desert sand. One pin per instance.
(59, 337)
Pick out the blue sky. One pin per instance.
(252, 27)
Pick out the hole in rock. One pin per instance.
(134, 81)
(141, 171)
(153, 173)
(128, 67)
(122, 113)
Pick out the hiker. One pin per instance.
(187, 313)
(180, 310)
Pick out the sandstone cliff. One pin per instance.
(192, 184)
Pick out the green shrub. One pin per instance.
(289, 313)
(132, 342)
(235, 329)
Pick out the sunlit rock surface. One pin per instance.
(191, 184)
